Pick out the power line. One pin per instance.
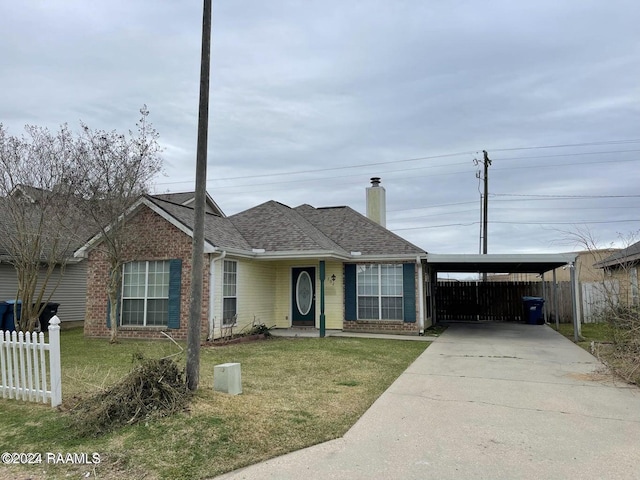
(345, 167)
(567, 145)
(517, 223)
(561, 196)
(519, 209)
(434, 157)
(333, 178)
(578, 154)
(432, 206)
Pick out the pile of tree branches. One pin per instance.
(154, 388)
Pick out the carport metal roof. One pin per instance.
(499, 263)
(510, 263)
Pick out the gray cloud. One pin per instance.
(318, 86)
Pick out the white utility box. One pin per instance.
(227, 378)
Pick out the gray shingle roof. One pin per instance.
(62, 229)
(186, 198)
(218, 231)
(179, 198)
(629, 254)
(277, 227)
(355, 232)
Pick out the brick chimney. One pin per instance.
(377, 202)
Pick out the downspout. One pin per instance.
(421, 295)
(212, 290)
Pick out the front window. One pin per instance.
(145, 293)
(380, 292)
(229, 292)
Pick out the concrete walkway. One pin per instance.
(485, 401)
(313, 333)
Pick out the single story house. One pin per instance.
(66, 284)
(621, 274)
(271, 264)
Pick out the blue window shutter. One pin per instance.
(350, 293)
(175, 284)
(409, 292)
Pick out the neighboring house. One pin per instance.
(67, 284)
(621, 269)
(592, 284)
(272, 264)
(586, 270)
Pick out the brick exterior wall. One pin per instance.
(382, 326)
(156, 239)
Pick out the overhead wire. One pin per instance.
(496, 197)
(431, 157)
(431, 175)
(468, 224)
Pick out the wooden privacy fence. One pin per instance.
(497, 301)
(23, 365)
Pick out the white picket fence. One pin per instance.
(23, 365)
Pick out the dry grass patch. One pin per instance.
(296, 393)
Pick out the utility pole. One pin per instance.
(485, 207)
(485, 204)
(197, 258)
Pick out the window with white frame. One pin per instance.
(145, 293)
(380, 292)
(229, 292)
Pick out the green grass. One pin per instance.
(598, 332)
(296, 393)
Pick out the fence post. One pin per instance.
(54, 361)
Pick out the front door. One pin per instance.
(303, 297)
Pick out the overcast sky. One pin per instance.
(309, 99)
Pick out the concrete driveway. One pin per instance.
(485, 401)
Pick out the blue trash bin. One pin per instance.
(533, 310)
(9, 316)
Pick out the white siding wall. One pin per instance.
(70, 289)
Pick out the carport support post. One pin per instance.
(322, 317)
(577, 330)
(544, 297)
(556, 310)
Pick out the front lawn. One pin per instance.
(296, 393)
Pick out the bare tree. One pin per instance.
(116, 170)
(618, 299)
(57, 190)
(37, 213)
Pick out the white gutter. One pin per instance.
(421, 305)
(258, 254)
(387, 258)
(212, 290)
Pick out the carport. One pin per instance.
(502, 263)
